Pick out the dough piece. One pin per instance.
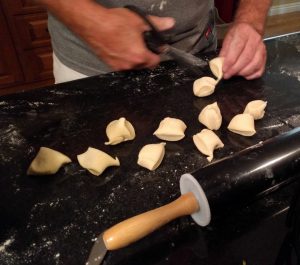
(151, 155)
(47, 162)
(211, 116)
(242, 124)
(216, 66)
(204, 86)
(256, 108)
(207, 141)
(119, 131)
(96, 161)
(170, 129)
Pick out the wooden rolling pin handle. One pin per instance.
(137, 227)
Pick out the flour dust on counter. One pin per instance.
(8, 257)
(10, 140)
(46, 219)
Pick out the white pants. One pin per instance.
(63, 73)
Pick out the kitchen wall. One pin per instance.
(283, 2)
(284, 6)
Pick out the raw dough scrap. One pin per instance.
(204, 86)
(242, 124)
(151, 155)
(256, 108)
(47, 162)
(170, 129)
(216, 66)
(96, 161)
(211, 116)
(206, 142)
(119, 131)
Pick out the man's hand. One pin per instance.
(244, 52)
(119, 41)
(243, 49)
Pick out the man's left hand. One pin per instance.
(244, 52)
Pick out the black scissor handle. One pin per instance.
(153, 38)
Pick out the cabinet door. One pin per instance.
(19, 7)
(10, 71)
(32, 31)
(39, 64)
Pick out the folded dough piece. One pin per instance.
(242, 124)
(47, 162)
(216, 66)
(151, 155)
(170, 129)
(256, 108)
(204, 86)
(211, 116)
(96, 161)
(206, 142)
(119, 131)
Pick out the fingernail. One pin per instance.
(169, 22)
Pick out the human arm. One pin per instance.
(115, 35)
(243, 49)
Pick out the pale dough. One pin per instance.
(119, 131)
(206, 142)
(211, 116)
(216, 66)
(170, 129)
(256, 108)
(96, 161)
(47, 162)
(204, 86)
(242, 124)
(151, 155)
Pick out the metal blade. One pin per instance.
(194, 63)
(98, 252)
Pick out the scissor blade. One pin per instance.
(98, 252)
(194, 63)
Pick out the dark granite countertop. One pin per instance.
(54, 219)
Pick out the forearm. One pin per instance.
(254, 13)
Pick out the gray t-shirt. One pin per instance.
(193, 32)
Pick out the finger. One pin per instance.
(162, 23)
(256, 64)
(143, 58)
(234, 50)
(244, 59)
(225, 46)
(256, 75)
(152, 60)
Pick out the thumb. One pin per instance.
(162, 23)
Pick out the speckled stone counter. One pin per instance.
(54, 219)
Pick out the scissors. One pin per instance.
(157, 43)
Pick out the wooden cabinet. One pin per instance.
(25, 45)
(10, 72)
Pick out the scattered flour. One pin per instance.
(6, 243)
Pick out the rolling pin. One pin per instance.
(247, 174)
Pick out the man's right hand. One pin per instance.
(115, 35)
(120, 43)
